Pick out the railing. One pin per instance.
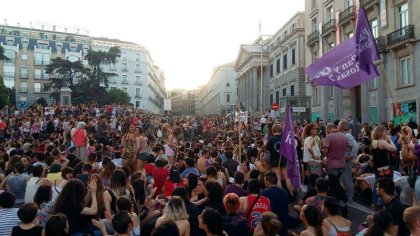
(347, 14)
(23, 89)
(37, 76)
(365, 3)
(124, 82)
(313, 37)
(399, 35)
(137, 71)
(124, 69)
(38, 62)
(328, 27)
(381, 43)
(37, 90)
(138, 83)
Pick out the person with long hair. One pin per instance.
(214, 198)
(175, 210)
(99, 198)
(106, 174)
(128, 142)
(234, 223)
(382, 147)
(70, 202)
(381, 225)
(42, 198)
(141, 150)
(118, 188)
(311, 151)
(312, 218)
(58, 185)
(171, 145)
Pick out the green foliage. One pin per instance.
(117, 96)
(2, 56)
(65, 72)
(98, 58)
(41, 101)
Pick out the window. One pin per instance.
(9, 70)
(374, 83)
(24, 56)
(284, 34)
(271, 99)
(271, 71)
(284, 61)
(22, 99)
(317, 95)
(9, 82)
(73, 49)
(45, 88)
(375, 29)
(329, 13)
(25, 46)
(112, 67)
(43, 45)
(227, 84)
(46, 58)
(138, 57)
(124, 56)
(38, 58)
(46, 75)
(37, 87)
(124, 89)
(277, 97)
(72, 58)
(278, 66)
(403, 12)
(405, 71)
(124, 67)
(23, 87)
(292, 90)
(138, 80)
(23, 72)
(331, 88)
(227, 97)
(314, 25)
(124, 79)
(349, 3)
(10, 54)
(293, 56)
(38, 73)
(137, 104)
(284, 92)
(137, 92)
(59, 48)
(138, 68)
(293, 27)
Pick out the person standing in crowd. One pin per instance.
(277, 162)
(411, 217)
(350, 155)
(334, 148)
(141, 153)
(80, 140)
(128, 143)
(171, 145)
(382, 147)
(8, 214)
(334, 223)
(311, 151)
(254, 204)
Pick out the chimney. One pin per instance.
(54, 26)
(5, 21)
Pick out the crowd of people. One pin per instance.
(117, 170)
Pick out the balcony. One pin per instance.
(313, 38)
(124, 82)
(38, 62)
(401, 36)
(347, 15)
(137, 71)
(138, 83)
(368, 3)
(328, 27)
(23, 89)
(124, 69)
(381, 44)
(23, 75)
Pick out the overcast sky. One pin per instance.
(186, 38)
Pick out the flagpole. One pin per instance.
(239, 130)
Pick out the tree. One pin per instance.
(2, 56)
(66, 72)
(98, 58)
(117, 96)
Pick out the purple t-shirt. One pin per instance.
(337, 144)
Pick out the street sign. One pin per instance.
(275, 106)
(299, 109)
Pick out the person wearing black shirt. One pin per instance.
(386, 188)
(27, 214)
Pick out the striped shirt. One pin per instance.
(8, 220)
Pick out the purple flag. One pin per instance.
(288, 150)
(340, 68)
(351, 62)
(367, 50)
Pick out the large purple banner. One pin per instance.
(350, 63)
